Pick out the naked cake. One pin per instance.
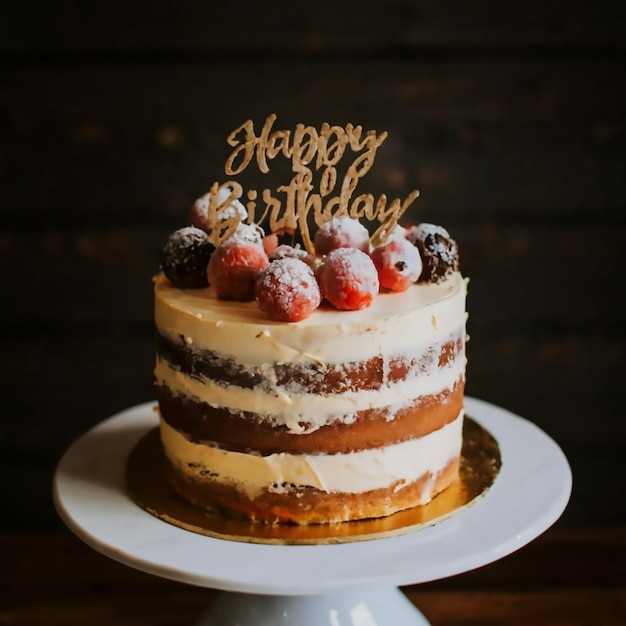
(314, 382)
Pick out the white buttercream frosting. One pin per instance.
(394, 324)
(293, 410)
(395, 465)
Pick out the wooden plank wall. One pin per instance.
(508, 116)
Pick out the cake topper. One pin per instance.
(314, 154)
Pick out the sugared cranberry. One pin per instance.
(348, 279)
(341, 232)
(439, 252)
(270, 243)
(398, 263)
(248, 234)
(233, 269)
(287, 290)
(199, 213)
(185, 256)
(399, 232)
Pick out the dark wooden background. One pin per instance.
(508, 116)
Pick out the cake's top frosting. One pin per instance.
(203, 304)
(417, 317)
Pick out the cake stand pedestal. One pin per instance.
(344, 584)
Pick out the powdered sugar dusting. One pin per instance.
(421, 231)
(399, 232)
(185, 256)
(399, 264)
(285, 250)
(287, 290)
(439, 252)
(358, 266)
(294, 275)
(246, 234)
(446, 251)
(187, 236)
(341, 232)
(234, 208)
(348, 279)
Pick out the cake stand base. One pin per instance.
(329, 584)
(369, 607)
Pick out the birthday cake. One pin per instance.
(311, 382)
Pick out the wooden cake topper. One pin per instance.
(314, 154)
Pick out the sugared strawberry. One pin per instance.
(199, 213)
(439, 252)
(185, 256)
(233, 269)
(341, 232)
(398, 263)
(348, 279)
(287, 290)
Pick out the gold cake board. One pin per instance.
(480, 465)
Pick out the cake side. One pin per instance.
(314, 489)
(363, 426)
(373, 361)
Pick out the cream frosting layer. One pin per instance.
(395, 324)
(304, 412)
(394, 466)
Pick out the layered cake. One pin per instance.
(309, 384)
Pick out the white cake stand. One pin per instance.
(346, 584)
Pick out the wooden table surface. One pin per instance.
(566, 577)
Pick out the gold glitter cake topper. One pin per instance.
(312, 152)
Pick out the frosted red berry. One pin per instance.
(233, 269)
(199, 214)
(185, 256)
(348, 279)
(270, 243)
(287, 290)
(341, 232)
(398, 263)
(439, 252)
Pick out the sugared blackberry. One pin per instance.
(439, 252)
(185, 256)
